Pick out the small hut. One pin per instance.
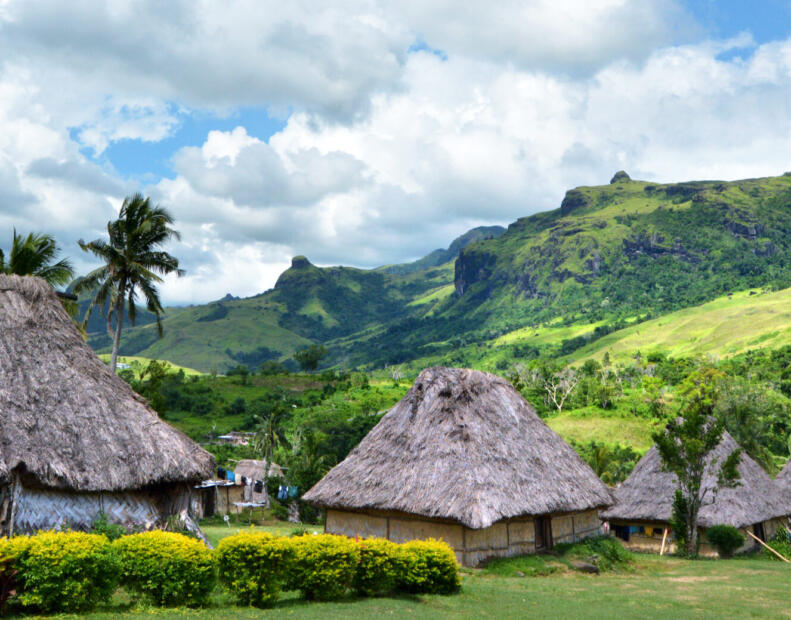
(75, 440)
(644, 502)
(253, 470)
(463, 457)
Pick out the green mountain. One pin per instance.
(308, 304)
(608, 256)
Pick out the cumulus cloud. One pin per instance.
(386, 153)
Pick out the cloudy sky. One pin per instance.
(369, 132)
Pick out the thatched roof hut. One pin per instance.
(646, 496)
(783, 484)
(71, 432)
(253, 470)
(462, 447)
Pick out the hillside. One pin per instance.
(308, 304)
(608, 256)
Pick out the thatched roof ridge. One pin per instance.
(254, 469)
(462, 445)
(647, 494)
(66, 421)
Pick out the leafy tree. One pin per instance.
(133, 261)
(241, 371)
(685, 446)
(270, 432)
(308, 359)
(35, 255)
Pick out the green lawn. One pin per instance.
(654, 587)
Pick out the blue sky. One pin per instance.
(149, 161)
(274, 129)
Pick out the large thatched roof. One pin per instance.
(462, 445)
(647, 495)
(65, 420)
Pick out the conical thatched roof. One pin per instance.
(66, 421)
(462, 445)
(647, 495)
(783, 484)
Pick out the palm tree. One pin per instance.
(35, 255)
(132, 261)
(270, 434)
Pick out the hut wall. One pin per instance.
(45, 509)
(652, 543)
(502, 539)
(225, 498)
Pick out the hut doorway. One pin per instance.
(543, 533)
(758, 530)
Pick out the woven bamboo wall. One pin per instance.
(39, 509)
(502, 539)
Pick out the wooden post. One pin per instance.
(664, 538)
(765, 546)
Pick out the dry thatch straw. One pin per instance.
(647, 494)
(66, 421)
(254, 470)
(783, 484)
(462, 445)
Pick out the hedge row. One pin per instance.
(74, 571)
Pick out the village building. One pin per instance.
(644, 503)
(225, 497)
(783, 484)
(463, 457)
(76, 440)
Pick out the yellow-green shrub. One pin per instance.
(62, 571)
(171, 568)
(428, 567)
(255, 566)
(324, 565)
(378, 569)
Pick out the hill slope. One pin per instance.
(610, 254)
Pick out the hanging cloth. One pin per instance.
(293, 492)
(282, 492)
(229, 476)
(221, 473)
(259, 486)
(237, 479)
(244, 480)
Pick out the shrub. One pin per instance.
(725, 538)
(62, 571)
(255, 566)
(428, 567)
(171, 568)
(8, 582)
(325, 566)
(608, 553)
(378, 569)
(101, 525)
(780, 542)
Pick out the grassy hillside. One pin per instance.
(610, 255)
(726, 326)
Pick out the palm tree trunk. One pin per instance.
(119, 315)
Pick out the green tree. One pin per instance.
(308, 359)
(35, 255)
(270, 432)
(685, 447)
(133, 263)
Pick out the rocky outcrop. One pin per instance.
(471, 267)
(573, 201)
(620, 176)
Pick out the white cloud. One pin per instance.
(386, 155)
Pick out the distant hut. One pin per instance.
(644, 502)
(253, 470)
(75, 440)
(464, 458)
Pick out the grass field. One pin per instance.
(723, 327)
(653, 588)
(141, 362)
